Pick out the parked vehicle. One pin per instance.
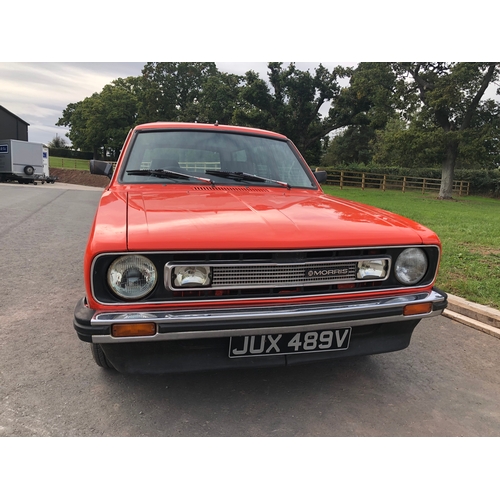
(24, 162)
(215, 247)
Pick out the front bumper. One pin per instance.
(199, 340)
(96, 327)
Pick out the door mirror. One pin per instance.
(321, 176)
(99, 167)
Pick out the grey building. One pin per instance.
(12, 127)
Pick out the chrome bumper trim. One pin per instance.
(181, 318)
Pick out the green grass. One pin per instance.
(70, 163)
(469, 229)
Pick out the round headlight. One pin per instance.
(132, 276)
(411, 266)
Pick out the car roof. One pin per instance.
(207, 126)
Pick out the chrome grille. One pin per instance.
(282, 275)
(231, 276)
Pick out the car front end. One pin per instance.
(229, 254)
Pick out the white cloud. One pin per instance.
(39, 92)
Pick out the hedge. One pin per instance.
(70, 153)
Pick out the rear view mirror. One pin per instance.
(321, 176)
(99, 167)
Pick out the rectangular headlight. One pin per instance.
(371, 269)
(191, 276)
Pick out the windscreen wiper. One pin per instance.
(167, 174)
(244, 176)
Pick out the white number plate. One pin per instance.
(295, 343)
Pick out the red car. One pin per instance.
(215, 247)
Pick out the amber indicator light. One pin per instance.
(134, 330)
(412, 309)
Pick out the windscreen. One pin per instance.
(157, 155)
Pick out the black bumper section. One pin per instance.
(81, 323)
(177, 356)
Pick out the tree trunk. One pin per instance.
(446, 190)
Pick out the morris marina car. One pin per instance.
(215, 247)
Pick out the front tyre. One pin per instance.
(99, 357)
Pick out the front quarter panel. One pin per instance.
(108, 232)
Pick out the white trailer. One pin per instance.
(24, 162)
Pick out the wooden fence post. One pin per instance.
(369, 180)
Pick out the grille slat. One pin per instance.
(279, 275)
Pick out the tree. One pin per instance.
(291, 104)
(480, 147)
(171, 90)
(58, 142)
(369, 102)
(101, 122)
(76, 116)
(219, 98)
(407, 144)
(115, 113)
(352, 145)
(450, 95)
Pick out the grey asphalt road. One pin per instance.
(447, 383)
